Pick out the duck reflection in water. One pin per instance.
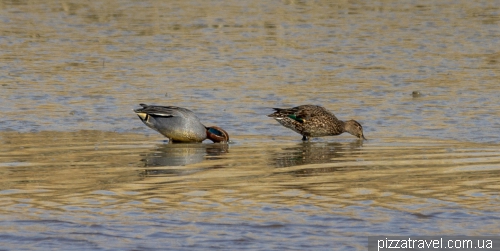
(316, 153)
(178, 155)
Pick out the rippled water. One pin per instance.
(80, 170)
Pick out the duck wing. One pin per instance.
(301, 113)
(163, 111)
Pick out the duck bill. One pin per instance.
(362, 137)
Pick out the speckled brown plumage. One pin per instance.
(315, 121)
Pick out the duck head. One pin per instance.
(354, 128)
(217, 134)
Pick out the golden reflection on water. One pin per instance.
(325, 174)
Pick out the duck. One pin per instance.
(179, 125)
(315, 121)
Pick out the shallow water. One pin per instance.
(79, 169)
(119, 191)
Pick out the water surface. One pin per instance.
(80, 170)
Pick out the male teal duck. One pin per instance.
(179, 124)
(315, 121)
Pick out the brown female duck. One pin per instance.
(315, 121)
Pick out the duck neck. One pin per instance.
(338, 127)
(342, 126)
